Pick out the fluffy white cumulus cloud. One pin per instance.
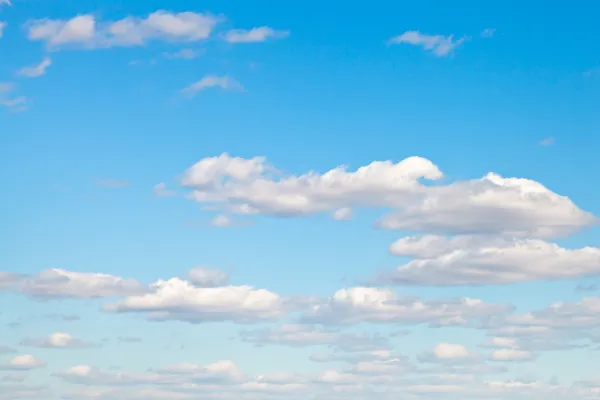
(254, 35)
(86, 31)
(376, 305)
(480, 260)
(439, 45)
(178, 299)
(22, 363)
(559, 326)
(60, 283)
(57, 340)
(490, 205)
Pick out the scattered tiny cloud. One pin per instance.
(488, 32)
(439, 45)
(58, 340)
(160, 190)
(183, 54)
(37, 70)
(210, 81)
(22, 363)
(8, 100)
(254, 35)
(222, 221)
(587, 288)
(134, 63)
(549, 141)
(2, 27)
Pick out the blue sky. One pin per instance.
(171, 230)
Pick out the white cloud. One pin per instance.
(3, 26)
(374, 305)
(184, 54)
(14, 377)
(449, 353)
(207, 277)
(160, 190)
(560, 326)
(222, 221)
(488, 32)
(210, 81)
(14, 391)
(254, 35)
(492, 204)
(6, 350)
(5, 3)
(511, 355)
(549, 141)
(8, 279)
(23, 363)
(85, 31)
(302, 335)
(36, 71)
(501, 342)
(220, 372)
(58, 340)
(480, 260)
(437, 44)
(14, 104)
(59, 283)
(178, 299)
(342, 214)
(6, 87)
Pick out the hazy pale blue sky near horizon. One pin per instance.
(170, 229)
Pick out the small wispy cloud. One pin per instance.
(439, 45)
(37, 70)
(225, 221)
(183, 54)
(113, 183)
(2, 27)
(160, 190)
(210, 81)
(254, 35)
(134, 63)
(8, 100)
(587, 288)
(5, 3)
(549, 141)
(488, 32)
